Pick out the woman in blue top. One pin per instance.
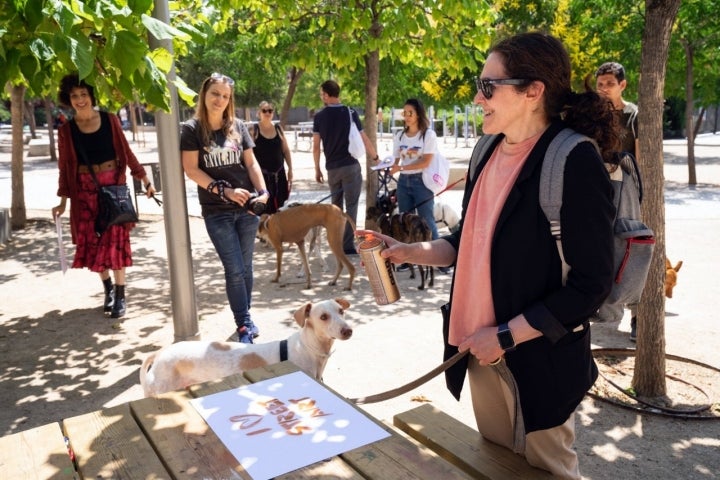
(217, 154)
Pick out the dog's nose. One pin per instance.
(346, 333)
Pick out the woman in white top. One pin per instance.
(413, 149)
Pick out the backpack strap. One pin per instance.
(551, 184)
(479, 152)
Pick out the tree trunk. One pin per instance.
(295, 75)
(29, 114)
(649, 376)
(372, 81)
(689, 103)
(17, 206)
(51, 128)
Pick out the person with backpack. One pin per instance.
(525, 326)
(331, 129)
(610, 82)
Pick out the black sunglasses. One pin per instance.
(222, 78)
(267, 110)
(486, 86)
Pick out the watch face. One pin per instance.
(506, 339)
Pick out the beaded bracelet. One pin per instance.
(221, 186)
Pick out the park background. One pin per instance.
(381, 52)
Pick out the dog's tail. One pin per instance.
(349, 220)
(147, 364)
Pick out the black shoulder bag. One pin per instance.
(115, 205)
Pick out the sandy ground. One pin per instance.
(61, 357)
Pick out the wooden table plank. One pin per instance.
(109, 444)
(36, 454)
(463, 446)
(187, 445)
(398, 457)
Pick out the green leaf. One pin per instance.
(33, 13)
(140, 6)
(161, 30)
(82, 54)
(128, 50)
(41, 50)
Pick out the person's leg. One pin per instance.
(352, 187)
(490, 404)
(246, 226)
(552, 450)
(425, 203)
(336, 188)
(493, 404)
(224, 236)
(109, 291)
(633, 321)
(119, 306)
(404, 194)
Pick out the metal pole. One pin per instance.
(177, 230)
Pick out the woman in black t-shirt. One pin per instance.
(217, 154)
(271, 150)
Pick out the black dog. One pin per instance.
(406, 228)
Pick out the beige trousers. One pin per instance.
(494, 407)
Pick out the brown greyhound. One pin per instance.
(293, 224)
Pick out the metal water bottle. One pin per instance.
(379, 270)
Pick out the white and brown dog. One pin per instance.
(183, 364)
(292, 225)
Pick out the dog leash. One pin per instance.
(329, 196)
(461, 179)
(380, 397)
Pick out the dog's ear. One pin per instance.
(302, 313)
(343, 303)
(668, 265)
(677, 267)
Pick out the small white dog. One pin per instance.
(186, 363)
(446, 215)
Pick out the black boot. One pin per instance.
(109, 295)
(633, 329)
(118, 308)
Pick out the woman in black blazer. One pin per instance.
(527, 331)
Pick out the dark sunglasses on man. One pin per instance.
(486, 86)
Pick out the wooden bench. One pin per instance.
(463, 446)
(36, 453)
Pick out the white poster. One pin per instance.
(61, 245)
(285, 423)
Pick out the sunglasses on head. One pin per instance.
(486, 86)
(267, 110)
(222, 78)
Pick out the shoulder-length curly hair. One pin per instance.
(68, 83)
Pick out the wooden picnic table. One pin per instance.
(166, 438)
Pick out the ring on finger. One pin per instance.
(496, 361)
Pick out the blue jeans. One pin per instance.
(411, 193)
(233, 234)
(346, 184)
